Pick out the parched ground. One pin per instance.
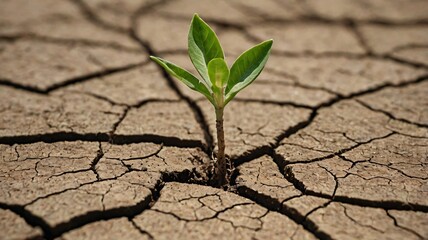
(97, 142)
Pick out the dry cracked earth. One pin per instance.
(97, 142)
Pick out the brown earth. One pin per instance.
(97, 142)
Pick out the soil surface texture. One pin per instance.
(98, 142)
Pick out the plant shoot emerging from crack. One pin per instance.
(218, 83)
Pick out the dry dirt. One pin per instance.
(97, 142)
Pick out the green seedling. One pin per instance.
(218, 83)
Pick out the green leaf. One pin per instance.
(184, 76)
(218, 72)
(247, 68)
(203, 46)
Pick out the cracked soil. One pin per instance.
(98, 142)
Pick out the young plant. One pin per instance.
(218, 83)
